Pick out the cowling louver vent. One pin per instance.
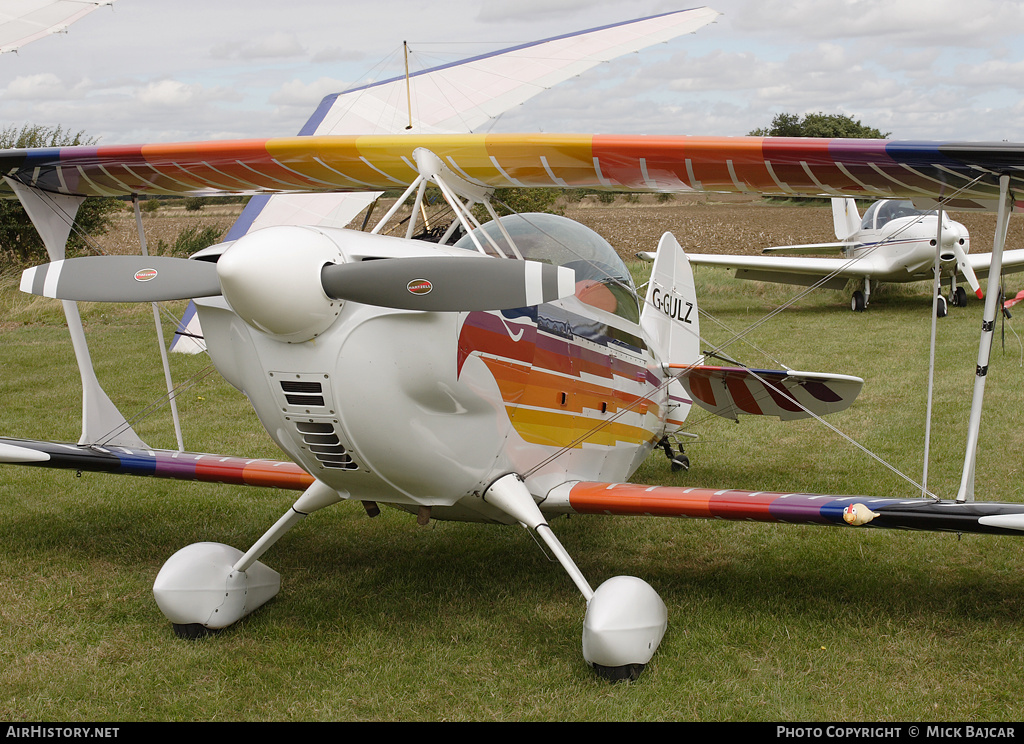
(299, 393)
(321, 439)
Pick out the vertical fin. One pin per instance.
(669, 318)
(845, 217)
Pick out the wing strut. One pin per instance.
(433, 170)
(53, 216)
(171, 397)
(936, 287)
(988, 325)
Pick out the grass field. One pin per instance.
(384, 620)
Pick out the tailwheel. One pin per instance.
(857, 302)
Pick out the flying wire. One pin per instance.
(741, 335)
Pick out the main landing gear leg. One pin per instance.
(625, 619)
(957, 295)
(859, 302)
(205, 587)
(679, 461)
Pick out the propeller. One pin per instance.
(964, 267)
(448, 284)
(441, 283)
(122, 279)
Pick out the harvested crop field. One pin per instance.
(703, 223)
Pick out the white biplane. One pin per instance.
(895, 241)
(532, 377)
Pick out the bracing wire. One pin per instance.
(742, 335)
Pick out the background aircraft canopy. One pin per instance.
(882, 212)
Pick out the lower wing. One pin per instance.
(627, 499)
(155, 463)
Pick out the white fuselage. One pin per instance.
(904, 248)
(428, 409)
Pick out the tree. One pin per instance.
(20, 244)
(818, 125)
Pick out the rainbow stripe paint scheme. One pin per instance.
(780, 166)
(510, 375)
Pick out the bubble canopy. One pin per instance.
(602, 279)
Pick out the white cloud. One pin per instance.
(176, 94)
(309, 95)
(271, 46)
(35, 87)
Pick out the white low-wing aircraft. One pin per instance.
(532, 377)
(895, 242)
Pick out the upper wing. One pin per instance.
(457, 97)
(916, 170)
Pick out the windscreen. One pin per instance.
(602, 279)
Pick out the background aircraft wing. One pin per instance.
(463, 96)
(831, 273)
(810, 248)
(1013, 262)
(26, 21)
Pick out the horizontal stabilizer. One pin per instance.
(628, 499)
(787, 394)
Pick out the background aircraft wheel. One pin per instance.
(940, 309)
(959, 298)
(857, 302)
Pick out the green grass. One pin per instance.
(384, 620)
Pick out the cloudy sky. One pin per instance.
(166, 70)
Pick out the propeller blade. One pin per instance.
(122, 279)
(448, 283)
(964, 267)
